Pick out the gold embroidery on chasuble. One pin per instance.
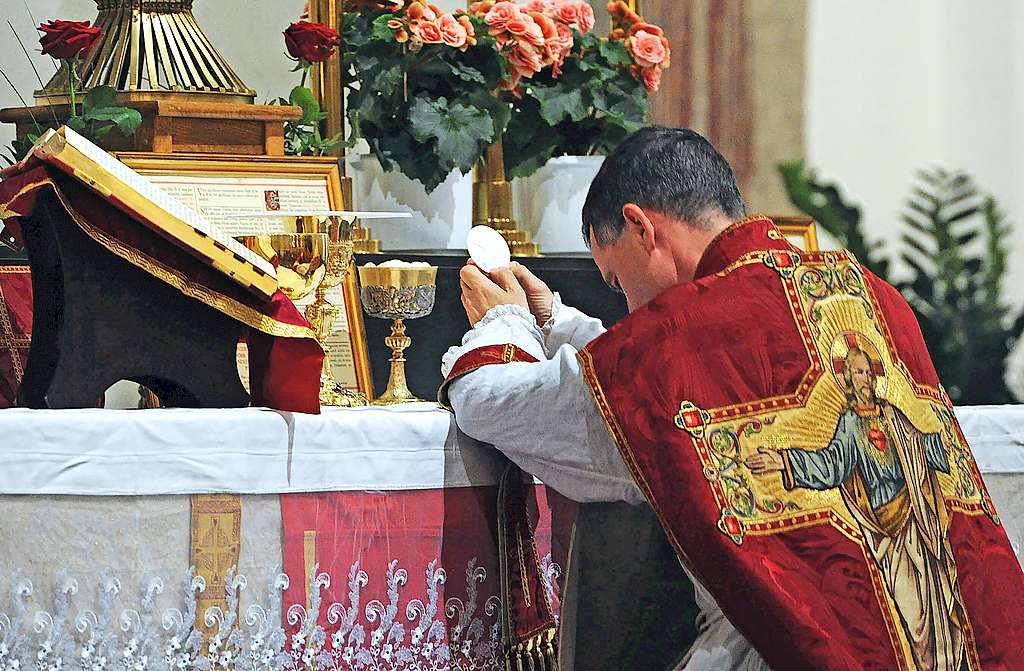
(216, 544)
(860, 446)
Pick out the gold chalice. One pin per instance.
(397, 293)
(321, 314)
(300, 259)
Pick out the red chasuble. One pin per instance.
(783, 417)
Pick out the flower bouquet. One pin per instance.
(593, 96)
(421, 87)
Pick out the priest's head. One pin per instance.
(655, 205)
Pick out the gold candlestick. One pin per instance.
(492, 202)
(397, 293)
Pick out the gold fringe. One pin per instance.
(537, 653)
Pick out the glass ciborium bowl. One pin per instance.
(397, 292)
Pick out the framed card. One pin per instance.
(222, 187)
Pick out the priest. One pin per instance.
(877, 548)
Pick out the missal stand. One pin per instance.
(99, 319)
(128, 284)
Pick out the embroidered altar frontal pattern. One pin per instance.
(842, 522)
(15, 329)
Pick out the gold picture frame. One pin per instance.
(801, 231)
(319, 170)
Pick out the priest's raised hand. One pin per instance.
(481, 292)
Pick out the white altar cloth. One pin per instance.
(243, 451)
(258, 451)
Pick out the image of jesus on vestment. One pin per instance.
(886, 470)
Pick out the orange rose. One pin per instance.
(427, 32)
(547, 26)
(546, 6)
(564, 40)
(647, 28)
(621, 13)
(651, 78)
(526, 60)
(500, 14)
(568, 11)
(452, 32)
(586, 22)
(421, 12)
(481, 8)
(470, 30)
(524, 27)
(647, 49)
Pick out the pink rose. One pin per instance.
(586, 22)
(427, 32)
(526, 60)
(545, 6)
(647, 49)
(470, 30)
(568, 11)
(500, 14)
(651, 78)
(523, 26)
(452, 32)
(547, 25)
(563, 43)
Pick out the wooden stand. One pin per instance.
(98, 319)
(180, 124)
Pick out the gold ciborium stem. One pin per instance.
(398, 389)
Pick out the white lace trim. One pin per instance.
(556, 307)
(416, 637)
(499, 311)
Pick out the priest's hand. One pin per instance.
(538, 295)
(765, 461)
(481, 292)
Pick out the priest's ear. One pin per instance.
(638, 224)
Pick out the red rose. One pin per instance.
(311, 42)
(68, 39)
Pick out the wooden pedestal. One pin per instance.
(176, 125)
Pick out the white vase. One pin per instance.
(440, 220)
(549, 203)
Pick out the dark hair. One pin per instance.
(674, 171)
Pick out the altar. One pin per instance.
(361, 537)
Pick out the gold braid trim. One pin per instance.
(243, 313)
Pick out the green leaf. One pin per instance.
(98, 97)
(381, 30)
(461, 132)
(76, 123)
(126, 119)
(616, 53)
(304, 98)
(469, 74)
(557, 104)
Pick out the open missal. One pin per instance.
(144, 201)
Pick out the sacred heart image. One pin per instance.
(861, 447)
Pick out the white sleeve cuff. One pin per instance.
(502, 325)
